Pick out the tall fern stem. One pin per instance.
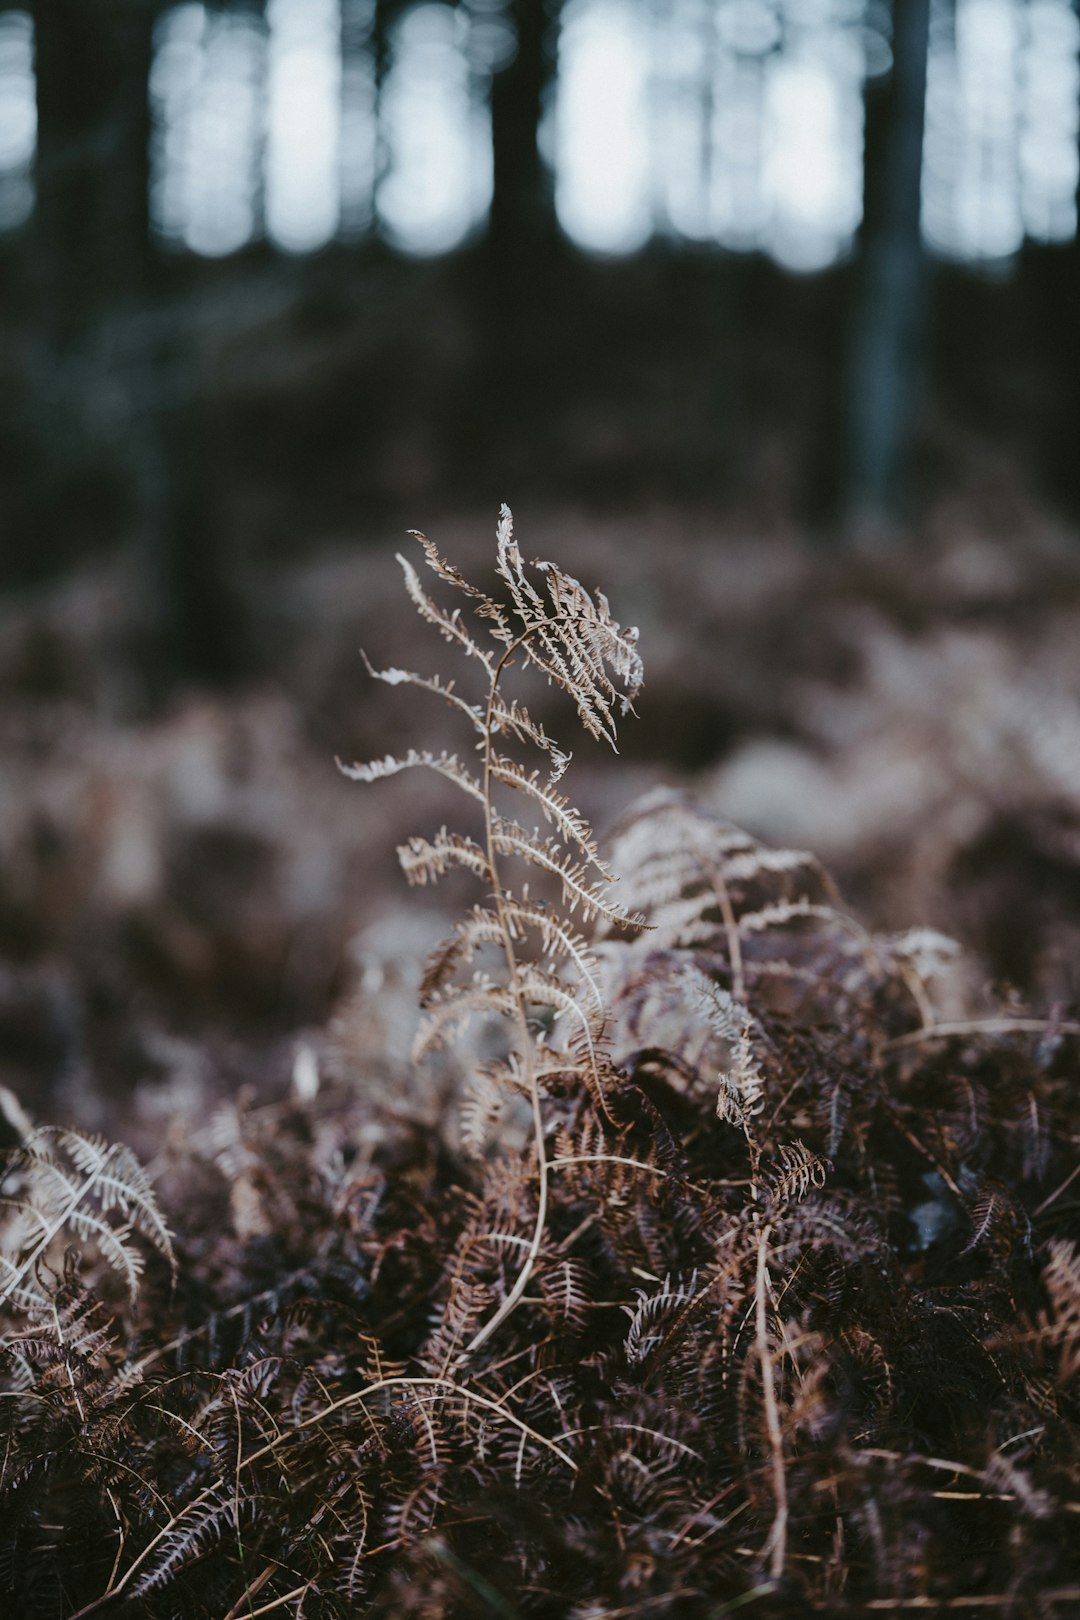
(525, 1042)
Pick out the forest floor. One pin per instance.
(189, 890)
(838, 1220)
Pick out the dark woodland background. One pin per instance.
(764, 315)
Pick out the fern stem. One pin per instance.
(731, 929)
(242, 1606)
(277, 1603)
(513, 1298)
(776, 1545)
(982, 1026)
(635, 1164)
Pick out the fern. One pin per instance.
(62, 1185)
(746, 1278)
(570, 637)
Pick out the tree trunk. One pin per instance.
(886, 363)
(92, 61)
(522, 204)
(122, 443)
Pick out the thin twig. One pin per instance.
(776, 1544)
(289, 1597)
(981, 1026)
(970, 1600)
(252, 1587)
(1056, 1194)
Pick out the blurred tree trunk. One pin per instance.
(1050, 289)
(384, 15)
(92, 62)
(522, 232)
(522, 204)
(120, 430)
(886, 359)
(88, 248)
(197, 614)
(1059, 305)
(359, 84)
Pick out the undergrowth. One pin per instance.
(745, 1278)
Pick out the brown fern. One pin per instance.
(558, 628)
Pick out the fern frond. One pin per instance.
(479, 927)
(25, 1220)
(597, 640)
(1061, 1279)
(425, 861)
(566, 1287)
(427, 683)
(683, 923)
(759, 861)
(545, 990)
(451, 1009)
(778, 913)
(510, 566)
(742, 1087)
(560, 944)
(482, 1110)
(355, 1572)
(450, 573)
(509, 718)
(448, 625)
(443, 764)
(485, 606)
(74, 1182)
(555, 808)
(669, 849)
(652, 1312)
(578, 640)
(111, 1242)
(19, 1293)
(120, 1182)
(579, 888)
(413, 1517)
(571, 637)
(198, 1528)
(799, 1170)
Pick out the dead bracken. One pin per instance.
(739, 1274)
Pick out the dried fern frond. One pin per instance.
(741, 1096)
(446, 690)
(577, 636)
(449, 625)
(653, 1311)
(570, 636)
(509, 718)
(444, 764)
(449, 1010)
(555, 808)
(425, 862)
(580, 889)
(1061, 1327)
(482, 1111)
(67, 1185)
(797, 1171)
